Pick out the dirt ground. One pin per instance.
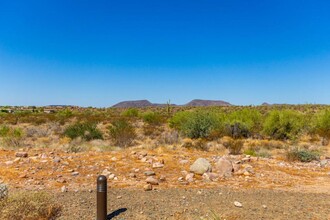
(276, 189)
(217, 203)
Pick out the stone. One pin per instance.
(201, 166)
(210, 176)
(147, 187)
(21, 154)
(57, 160)
(132, 175)
(238, 204)
(149, 173)
(224, 167)
(162, 178)
(151, 180)
(190, 177)
(112, 176)
(64, 189)
(75, 173)
(106, 172)
(183, 162)
(9, 162)
(323, 163)
(157, 165)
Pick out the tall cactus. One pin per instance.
(3, 191)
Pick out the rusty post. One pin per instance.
(101, 197)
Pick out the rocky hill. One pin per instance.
(133, 104)
(146, 103)
(200, 102)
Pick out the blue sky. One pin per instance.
(97, 53)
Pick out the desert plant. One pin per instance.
(122, 133)
(199, 124)
(243, 123)
(283, 125)
(303, 155)
(234, 146)
(87, 131)
(11, 137)
(29, 205)
(322, 124)
(152, 118)
(131, 112)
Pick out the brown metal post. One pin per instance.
(101, 197)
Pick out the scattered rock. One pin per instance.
(157, 165)
(57, 160)
(224, 167)
(201, 166)
(132, 175)
(9, 162)
(264, 206)
(119, 197)
(149, 173)
(162, 178)
(190, 177)
(183, 162)
(21, 154)
(75, 173)
(106, 172)
(210, 176)
(64, 189)
(323, 163)
(112, 176)
(151, 180)
(238, 204)
(147, 187)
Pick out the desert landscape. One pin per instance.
(166, 162)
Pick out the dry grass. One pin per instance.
(29, 206)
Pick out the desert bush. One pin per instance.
(197, 124)
(243, 123)
(321, 125)
(131, 112)
(122, 133)
(283, 125)
(234, 146)
(28, 206)
(303, 155)
(153, 118)
(11, 137)
(86, 130)
(179, 119)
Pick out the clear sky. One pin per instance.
(99, 52)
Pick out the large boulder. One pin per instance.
(201, 166)
(224, 167)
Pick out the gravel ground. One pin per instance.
(217, 203)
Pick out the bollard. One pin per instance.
(101, 198)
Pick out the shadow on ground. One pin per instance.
(116, 213)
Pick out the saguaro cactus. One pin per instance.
(3, 191)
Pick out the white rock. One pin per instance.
(238, 204)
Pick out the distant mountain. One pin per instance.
(146, 103)
(133, 104)
(200, 102)
(266, 104)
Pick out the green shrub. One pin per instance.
(283, 125)
(29, 205)
(243, 123)
(200, 124)
(11, 137)
(152, 118)
(322, 124)
(122, 133)
(87, 131)
(179, 119)
(302, 155)
(131, 112)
